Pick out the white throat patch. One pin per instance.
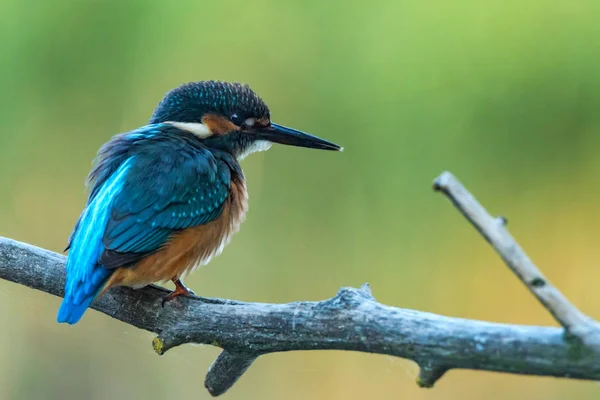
(259, 145)
(196, 128)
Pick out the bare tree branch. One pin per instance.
(352, 320)
(494, 231)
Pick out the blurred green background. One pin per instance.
(505, 94)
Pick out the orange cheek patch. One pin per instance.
(219, 125)
(263, 122)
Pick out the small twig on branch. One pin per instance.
(430, 374)
(494, 231)
(352, 320)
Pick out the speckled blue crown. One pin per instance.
(189, 102)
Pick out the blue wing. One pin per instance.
(176, 188)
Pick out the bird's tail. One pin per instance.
(78, 300)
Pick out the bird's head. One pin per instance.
(229, 117)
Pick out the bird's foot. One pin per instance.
(180, 290)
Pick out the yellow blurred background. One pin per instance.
(505, 94)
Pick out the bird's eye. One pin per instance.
(236, 119)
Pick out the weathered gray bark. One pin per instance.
(352, 320)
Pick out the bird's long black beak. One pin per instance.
(281, 134)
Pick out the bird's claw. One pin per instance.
(180, 290)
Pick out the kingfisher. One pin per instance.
(167, 197)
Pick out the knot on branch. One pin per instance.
(158, 344)
(430, 374)
(365, 289)
(348, 298)
(168, 339)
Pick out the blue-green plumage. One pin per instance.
(176, 183)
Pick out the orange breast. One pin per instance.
(189, 248)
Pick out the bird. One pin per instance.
(167, 197)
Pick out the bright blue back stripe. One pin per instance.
(86, 246)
